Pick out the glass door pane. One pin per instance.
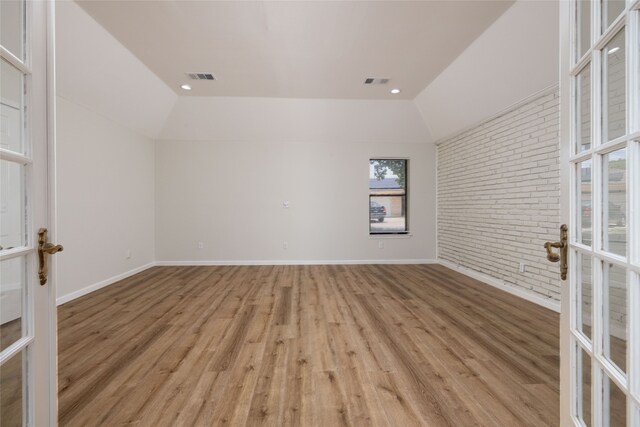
(584, 203)
(11, 108)
(583, 19)
(13, 218)
(12, 281)
(614, 405)
(585, 295)
(616, 323)
(12, 391)
(614, 202)
(583, 110)
(611, 9)
(614, 111)
(583, 375)
(12, 26)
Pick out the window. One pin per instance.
(388, 197)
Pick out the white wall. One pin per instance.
(109, 106)
(93, 69)
(227, 165)
(243, 119)
(105, 199)
(514, 58)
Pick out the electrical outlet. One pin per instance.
(286, 204)
(200, 245)
(127, 254)
(285, 245)
(522, 268)
(380, 244)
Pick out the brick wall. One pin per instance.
(498, 196)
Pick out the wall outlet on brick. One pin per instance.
(522, 268)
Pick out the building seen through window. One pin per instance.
(388, 196)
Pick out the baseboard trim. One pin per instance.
(84, 291)
(500, 284)
(298, 262)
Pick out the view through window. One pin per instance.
(388, 196)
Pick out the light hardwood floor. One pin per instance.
(306, 345)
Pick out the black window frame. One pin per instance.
(404, 196)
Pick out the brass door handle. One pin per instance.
(45, 248)
(563, 256)
(552, 256)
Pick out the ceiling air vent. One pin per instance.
(201, 76)
(374, 81)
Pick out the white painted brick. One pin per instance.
(498, 196)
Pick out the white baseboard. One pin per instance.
(500, 284)
(77, 294)
(299, 262)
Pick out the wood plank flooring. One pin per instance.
(378, 345)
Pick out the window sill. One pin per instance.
(390, 236)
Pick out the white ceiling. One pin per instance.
(297, 49)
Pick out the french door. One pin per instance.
(27, 309)
(600, 152)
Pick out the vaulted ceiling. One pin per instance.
(297, 49)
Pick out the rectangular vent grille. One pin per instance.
(201, 76)
(374, 81)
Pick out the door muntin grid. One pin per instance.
(18, 245)
(605, 324)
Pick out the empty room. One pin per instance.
(320, 213)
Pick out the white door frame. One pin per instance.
(565, 301)
(52, 317)
(46, 394)
(38, 346)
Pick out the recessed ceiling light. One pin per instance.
(395, 91)
(186, 87)
(614, 50)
